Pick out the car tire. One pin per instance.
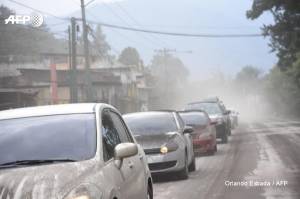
(192, 166)
(225, 138)
(184, 173)
(216, 148)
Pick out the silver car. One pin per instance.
(166, 141)
(75, 151)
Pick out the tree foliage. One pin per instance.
(130, 57)
(23, 43)
(285, 32)
(170, 80)
(100, 44)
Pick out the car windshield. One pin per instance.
(209, 107)
(151, 123)
(54, 137)
(194, 118)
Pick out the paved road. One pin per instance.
(261, 160)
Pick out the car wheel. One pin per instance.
(225, 138)
(149, 193)
(216, 148)
(192, 166)
(184, 173)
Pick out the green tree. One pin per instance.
(100, 44)
(285, 32)
(170, 80)
(248, 80)
(248, 74)
(282, 92)
(24, 43)
(130, 57)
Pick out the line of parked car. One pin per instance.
(89, 151)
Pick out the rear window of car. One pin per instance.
(194, 118)
(151, 123)
(209, 107)
(71, 136)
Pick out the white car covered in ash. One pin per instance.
(75, 151)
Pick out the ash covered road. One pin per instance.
(261, 160)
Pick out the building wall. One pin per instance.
(44, 96)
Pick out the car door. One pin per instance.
(187, 138)
(133, 168)
(114, 179)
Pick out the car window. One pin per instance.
(70, 136)
(110, 136)
(210, 107)
(121, 128)
(151, 123)
(195, 118)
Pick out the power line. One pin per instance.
(37, 10)
(152, 31)
(125, 22)
(177, 33)
(95, 39)
(137, 23)
(117, 32)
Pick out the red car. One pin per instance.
(204, 135)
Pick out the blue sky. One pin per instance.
(193, 16)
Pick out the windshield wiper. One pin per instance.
(34, 162)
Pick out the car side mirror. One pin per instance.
(188, 130)
(124, 150)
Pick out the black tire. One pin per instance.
(225, 138)
(192, 166)
(184, 173)
(149, 192)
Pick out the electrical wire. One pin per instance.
(177, 33)
(138, 24)
(151, 31)
(37, 10)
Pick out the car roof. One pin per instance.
(48, 110)
(147, 113)
(208, 99)
(164, 110)
(191, 111)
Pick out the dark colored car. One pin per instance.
(204, 135)
(166, 141)
(217, 113)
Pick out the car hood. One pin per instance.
(155, 141)
(43, 181)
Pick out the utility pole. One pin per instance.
(73, 67)
(89, 94)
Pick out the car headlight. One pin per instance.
(169, 147)
(84, 191)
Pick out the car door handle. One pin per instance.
(131, 165)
